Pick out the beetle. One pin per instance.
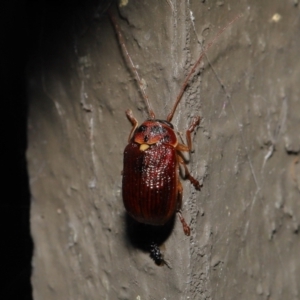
(152, 191)
(151, 187)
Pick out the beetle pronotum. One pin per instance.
(151, 188)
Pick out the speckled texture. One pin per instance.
(245, 222)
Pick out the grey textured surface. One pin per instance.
(245, 221)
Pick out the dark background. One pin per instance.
(19, 38)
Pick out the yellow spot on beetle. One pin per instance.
(144, 147)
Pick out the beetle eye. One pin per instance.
(142, 128)
(156, 130)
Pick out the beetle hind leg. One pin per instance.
(186, 228)
(194, 124)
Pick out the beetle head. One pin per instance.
(153, 132)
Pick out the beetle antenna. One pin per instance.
(188, 77)
(131, 64)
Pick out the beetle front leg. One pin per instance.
(188, 147)
(186, 228)
(194, 124)
(133, 121)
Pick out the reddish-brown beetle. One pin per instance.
(152, 191)
(151, 188)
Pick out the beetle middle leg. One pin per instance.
(194, 124)
(188, 148)
(186, 228)
(188, 175)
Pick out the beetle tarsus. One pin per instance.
(194, 182)
(185, 226)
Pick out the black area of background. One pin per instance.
(16, 250)
(24, 24)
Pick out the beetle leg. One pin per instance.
(188, 175)
(182, 147)
(133, 121)
(188, 147)
(194, 124)
(185, 226)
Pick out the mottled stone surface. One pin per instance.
(245, 221)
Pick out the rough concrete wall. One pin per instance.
(245, 221)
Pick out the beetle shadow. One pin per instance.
(142, 235)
